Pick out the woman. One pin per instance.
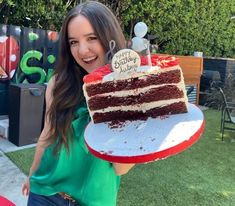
(63, 171)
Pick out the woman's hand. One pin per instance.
(26, 187)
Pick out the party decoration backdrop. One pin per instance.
(27, 55)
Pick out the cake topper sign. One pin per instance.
(125, 60)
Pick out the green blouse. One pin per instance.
(89, 180)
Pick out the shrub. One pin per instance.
(181, 26)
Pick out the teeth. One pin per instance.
(89, 59)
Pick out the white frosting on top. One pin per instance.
(147, 68)
(140, 71)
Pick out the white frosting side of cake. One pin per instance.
(141, 73)
(139, 107)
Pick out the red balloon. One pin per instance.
(53, 36)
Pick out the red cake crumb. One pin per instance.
(116, 124)
(164, 117)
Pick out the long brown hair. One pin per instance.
(67, 92)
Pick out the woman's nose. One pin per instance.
(83, 48)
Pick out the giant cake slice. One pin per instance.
(150, 91)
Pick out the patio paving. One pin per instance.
(11, 178)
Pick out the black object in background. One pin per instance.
(26, 110)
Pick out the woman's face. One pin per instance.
(85, 46)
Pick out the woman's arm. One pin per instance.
(41, 144)
(121, 168)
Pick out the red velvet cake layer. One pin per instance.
(175, 108)
(134, 83)
(154, 94)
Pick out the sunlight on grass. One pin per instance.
(227, 193)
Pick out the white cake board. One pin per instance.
(145, 141)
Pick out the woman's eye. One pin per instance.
(73, 43)
(92, 38)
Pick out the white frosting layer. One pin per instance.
(132, 92)
(139, 107)
(140, 71)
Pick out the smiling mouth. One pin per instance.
(90, 60)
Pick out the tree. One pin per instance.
(181, 26)
(184, 26)
(42, 14)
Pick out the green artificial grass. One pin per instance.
(22, 158)
(203, 175)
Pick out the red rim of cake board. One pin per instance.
(153, 156)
